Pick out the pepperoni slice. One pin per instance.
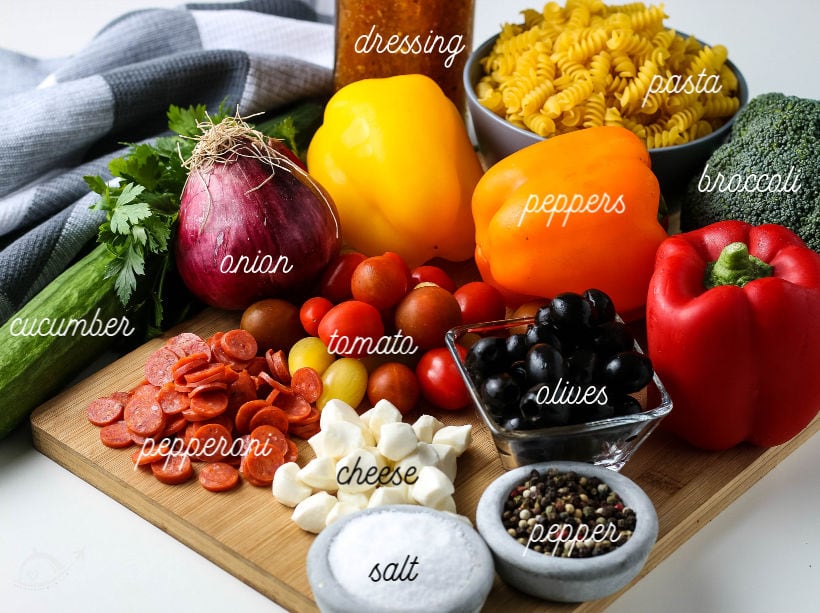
(242, 390)
(207, 403)
(171, 401)
(176, 468)
(174, 425)
(116, 435)
(271, 416)
(307, 383)
(105, 411)
(188, 364)
(145, 419)
(295, 407)
(212, 443)
(188, 343)
(218, 477)
(305, 431)
(246, 413)
(269, 435)
(293, 451)
(261, 463)
(239, 344)
(279, 367)
(160, 365)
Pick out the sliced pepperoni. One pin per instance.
(239, 344)
(242, 390)
(188, 364)
(307, 383)
(188, 343)
(218, 477)
(171, 401)
(295, 407)
(105, 411)
(174, 425)
(270, 416)
(222, 356)
(210, 373)
(160, 365)
(146, 419)
(269, 435)
(261, 463)
(176, 468)
(116, 435)
(212, 443)
(279, 365)
(304, 431)
(208, 403)
(257, 365)
(246, 413)
(293, 452)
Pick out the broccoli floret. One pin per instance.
(773, 134)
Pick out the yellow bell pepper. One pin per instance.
(572, 212)
(395, 156)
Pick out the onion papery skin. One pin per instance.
(229, 209)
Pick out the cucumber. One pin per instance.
(33, 368)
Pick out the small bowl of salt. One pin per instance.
(400, 559)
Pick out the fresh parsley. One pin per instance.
(142, 200)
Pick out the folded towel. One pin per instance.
(63, 119)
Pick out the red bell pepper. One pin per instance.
(733, 331)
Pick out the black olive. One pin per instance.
(555, 414)
(582, 367)
(499, 391)
(541, 333)
(603, 309)
(544, 364)
(517, 345)
(611, 338)
(518, 371)
(627, 372)
(487, 356)
(625, 405)
(570, 311)
(529, 405)
(513, 423)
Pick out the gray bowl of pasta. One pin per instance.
(504, 122)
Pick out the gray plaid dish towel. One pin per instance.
(63, 119)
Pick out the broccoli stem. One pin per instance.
(735, 266)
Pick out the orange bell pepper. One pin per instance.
(574, 211)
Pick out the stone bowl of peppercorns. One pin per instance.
(570, 383)
(567, 531)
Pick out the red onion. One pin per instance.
(252, 223)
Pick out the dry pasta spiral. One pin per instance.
(587, 64)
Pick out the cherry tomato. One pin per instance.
(480, 301)
(432, 274)
(274, 323)
(396, 383)
(400, 261)
(311, 313)
(440, 380)
(335, 282)
(380, 281)
(426, 313)
(351, 328)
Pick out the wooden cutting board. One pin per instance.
(248, 533)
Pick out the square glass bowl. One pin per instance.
(606, 442)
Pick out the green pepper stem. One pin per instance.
(736, 266)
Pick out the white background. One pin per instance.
(92, 554)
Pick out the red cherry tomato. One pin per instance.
(400, 261)
(480, 301)
(335, 282)
(351, 328)
(396, 383)
(380, 281)
(432, 274)
(312, 312)
(440, 380)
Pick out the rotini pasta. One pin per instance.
(588, 64)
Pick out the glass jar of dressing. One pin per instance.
(383, 38)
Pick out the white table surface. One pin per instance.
(66, 547)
